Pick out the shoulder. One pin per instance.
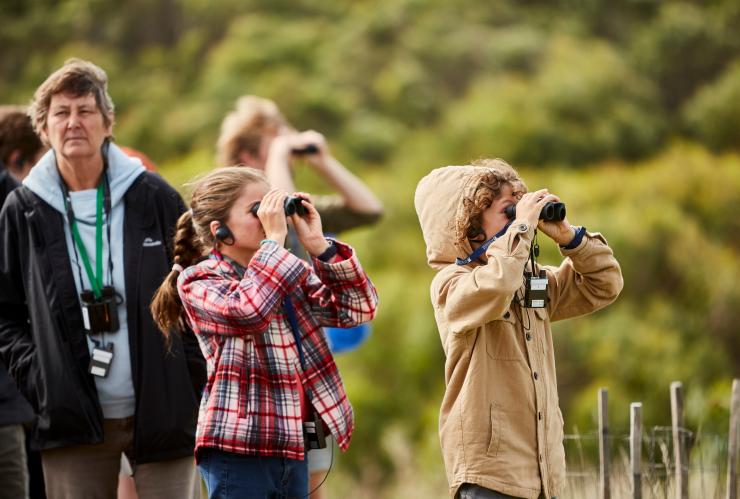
(150, 187)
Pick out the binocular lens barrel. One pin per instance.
(551, 212)
(292, 205)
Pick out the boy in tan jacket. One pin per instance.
(501, 429)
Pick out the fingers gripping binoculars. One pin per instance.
(551, 212)
(292, 206)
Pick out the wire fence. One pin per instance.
(706, 466)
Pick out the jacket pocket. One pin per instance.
(494, 442)
(501, 339)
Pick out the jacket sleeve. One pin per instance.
(341, 294)
(246, 306)
(589, 279)
(16, 345)
(469, 298)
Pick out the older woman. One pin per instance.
(86, 242)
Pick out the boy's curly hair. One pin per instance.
(499, 174)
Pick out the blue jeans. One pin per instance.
(231, 476)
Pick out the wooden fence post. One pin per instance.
(733, 440)
(604, 444)
(679, 447)
(636, 449)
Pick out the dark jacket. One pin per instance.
(13, 408)
(7, 184)
(48, 356)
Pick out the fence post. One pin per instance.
(604, 444)
(733, 440)
(679, 447)
(636, 448)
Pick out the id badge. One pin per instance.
(101, 359)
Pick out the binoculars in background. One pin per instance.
(551, 212)
(308, 149)
(292, 206)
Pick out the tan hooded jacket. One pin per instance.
(500, 425)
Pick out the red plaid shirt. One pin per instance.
(251, 402)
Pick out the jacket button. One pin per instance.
(529, 337)
(507, 315)
(539, 415)
(536, 375)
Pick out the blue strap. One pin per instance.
(576, 239)
(290, 312)
(482, 248)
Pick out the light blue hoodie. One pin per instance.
(116, 391)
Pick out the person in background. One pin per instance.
(86, 241)
(257, 134)
(257, 310)
(20, 467)
(500, 426)
(20, 148)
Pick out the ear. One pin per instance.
(16, 159)
(213, 227)
(109, 128)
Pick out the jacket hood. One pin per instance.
(44, 179)
(439, 202)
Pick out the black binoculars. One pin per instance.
(307, 149)
(100, 315)
(551, 212)
(292, 206)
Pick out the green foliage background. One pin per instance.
(629, 110)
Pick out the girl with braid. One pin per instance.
(256, 310)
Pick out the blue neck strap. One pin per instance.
(482, 248)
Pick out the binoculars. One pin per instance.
(292, 206)
(551, 212)
(308, 149)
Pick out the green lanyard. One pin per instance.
(95, 281)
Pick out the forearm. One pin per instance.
(277, 169)
(357, 196)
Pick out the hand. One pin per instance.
(530, 206)
(312, 137)
(272, 215)
(561, 231)
(308, 227)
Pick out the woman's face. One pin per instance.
(493, 218)
(75, 126)
(246, 227)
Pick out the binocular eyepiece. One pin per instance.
(292, 205)
(551, 212)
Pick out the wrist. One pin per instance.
(317, 247)
(576, 240)
(277, 237)
(567, 236)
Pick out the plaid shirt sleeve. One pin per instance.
(340, 294)
(236, 307)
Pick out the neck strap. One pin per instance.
(482, 248)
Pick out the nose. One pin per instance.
(73, 120)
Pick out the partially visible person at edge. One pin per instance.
(501, 429)
(257, 311)
(20, 472)
(257, 134)
(89, 219)
(20, 148)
